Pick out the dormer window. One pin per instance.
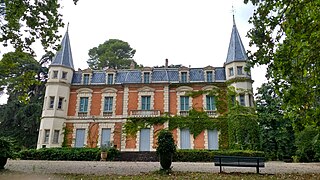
(239, 70)
(110, 78)
(64, 75)
(146, 77)
(231, 73)
(86, 78)
(209, 76)
(55, 75)
(184, 77)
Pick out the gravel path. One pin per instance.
(131, 168)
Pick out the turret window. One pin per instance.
(242, 101)
(55, 139)
(60, 102)
(51, 102)
(46, 136)
(231, 73)
(239, 70)
(64, 75)
(55, 75)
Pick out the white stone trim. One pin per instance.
(146, 91)
(80, 126)
(166, 98)
(90, 77)
(113, 77)
(102, 126)
(125, 101)
(108, 92)
(206, 140)
(181, 91)
(84, 92)
(142, 76)
(180, 76)
(213, 75)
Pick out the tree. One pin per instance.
(286, 34)
(24, 78)
(22, 22)
(113, 53)
(277, 135)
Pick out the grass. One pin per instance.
(7, 174)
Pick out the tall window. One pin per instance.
(145, 102)
(64, 75)
(242, 102)
(250, 100)
(184, 78)
(55, 75)
(231, 71)
(83, 104)
(46, 136)
(51, 102)
(60, 102)
(209, 76)
(146, 77)
(86, 79)
(233, 99)
(211, 104)
(108, 104)
(110, 78)
(184, 103)
(55, 137)
(239, 70)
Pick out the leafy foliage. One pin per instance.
(165, 142)
(69, 154)
(308, 143)
(6, 147)
(243, 128)
(286, 34)
(277, 135)
(113, 53)
(24, 78)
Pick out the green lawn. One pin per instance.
(6, 174)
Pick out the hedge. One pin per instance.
(207, 155)
(66, 154)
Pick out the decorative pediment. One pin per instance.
(109, 90)
(110, 70)
(146, 69)
(208, 68)
(88, 70)
(184, 89)
(183, 68)
(208, 88)
(146, 89)
(84, 90)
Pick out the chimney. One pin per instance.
(132, 65)
(166, 66)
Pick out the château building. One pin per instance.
(88, 108)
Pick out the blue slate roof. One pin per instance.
(158, 75)
(236, 51)
(64, 55)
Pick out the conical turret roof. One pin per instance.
(64, 55)
(236, 51)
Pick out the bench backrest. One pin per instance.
(239, 161)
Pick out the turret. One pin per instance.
(55, 106)
(235, 64)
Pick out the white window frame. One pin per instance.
(146, 91)
(181, 91)
(84, 92)
(109, 92)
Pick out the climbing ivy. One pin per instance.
(239, 79)
(66, 131)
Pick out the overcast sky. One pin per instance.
(193, 33)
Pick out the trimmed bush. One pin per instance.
(67, 154)
(208, 155)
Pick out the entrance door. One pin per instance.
(185, 139)
(105, 136)
(213, 139)
(80, 137)
(144, 140)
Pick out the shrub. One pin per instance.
(166, 148)
(68, 154)
(6, 148)
(208, 155)
(308, 145)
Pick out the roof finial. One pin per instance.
(68, 27)
(233, 12)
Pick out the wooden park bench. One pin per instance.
(239, 161)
